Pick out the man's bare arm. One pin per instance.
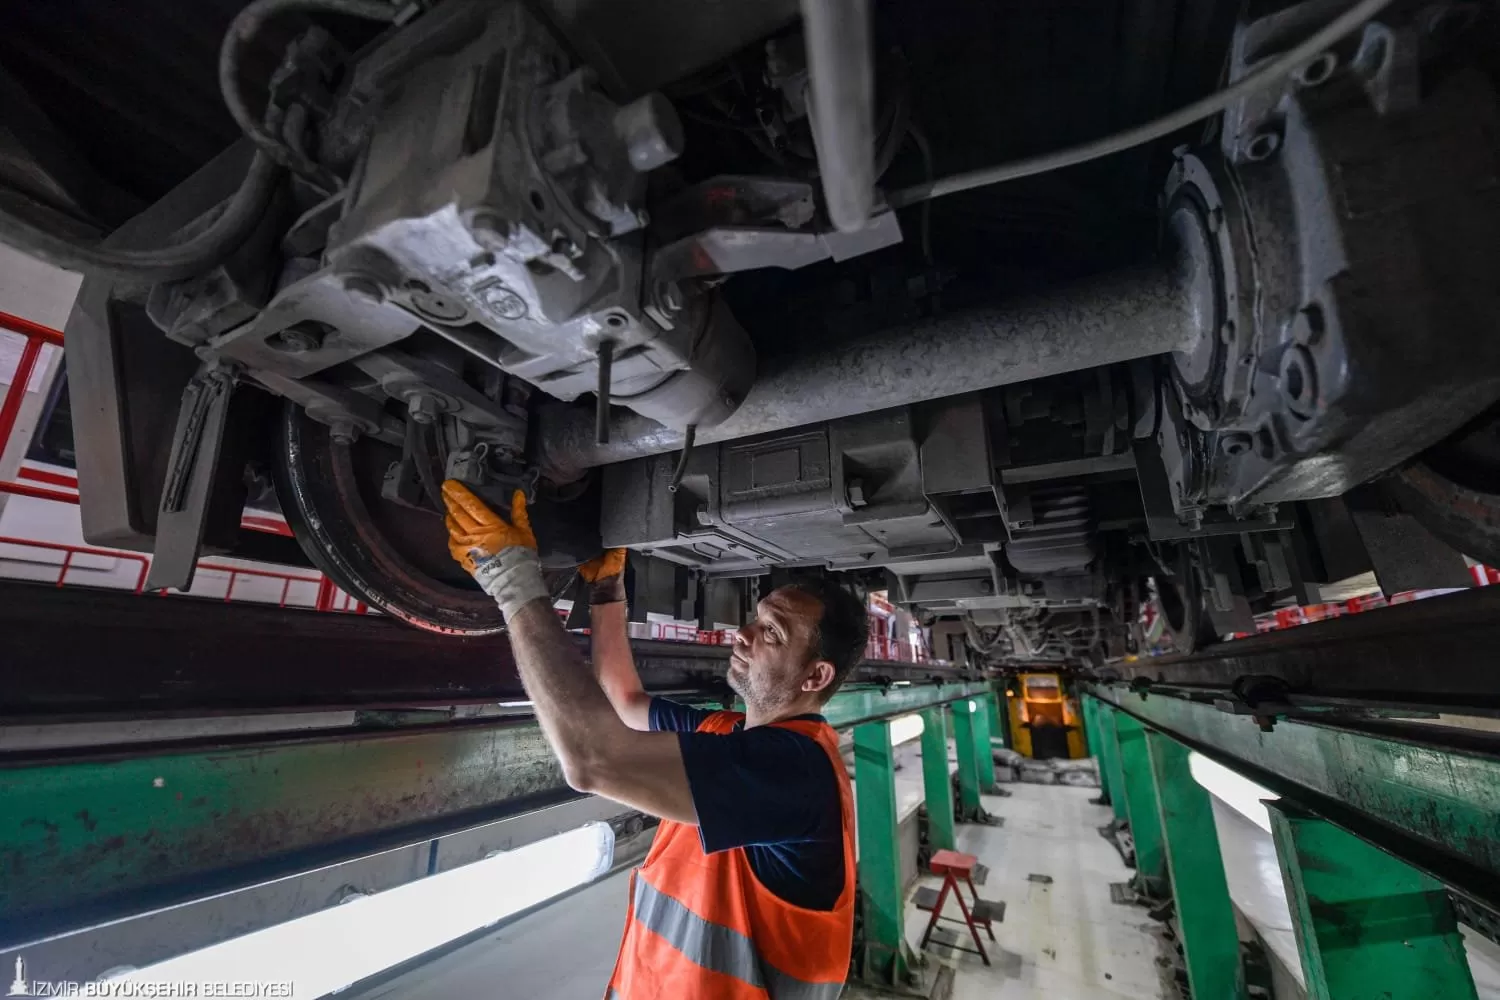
(614, 663)
(598, 751)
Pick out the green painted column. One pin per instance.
(935, 782)
(969, 807)
(879, 853)
(1368, 926)
(1109, 757)
(983, 751)
(1090, 727)
(1140, 804)
(1095, 749)
(1205, 916)
(999, 715)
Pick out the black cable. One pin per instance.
(919, 139)
(229, 231)
(245, 26)
(1267, 74)
(185, 260)
(421, 455)
(682, 460)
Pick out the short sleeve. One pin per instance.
(672, 717)
(765, 786)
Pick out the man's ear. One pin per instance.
(820, 676)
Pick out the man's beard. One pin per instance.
(743, 684)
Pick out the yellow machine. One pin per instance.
(1044, 718)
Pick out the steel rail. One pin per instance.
(1438, 653)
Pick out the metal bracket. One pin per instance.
(192, 472)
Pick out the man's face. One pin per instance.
(774, 655)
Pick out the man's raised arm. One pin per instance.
(614, 664)
(599, 753)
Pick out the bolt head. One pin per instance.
(301, 338)
(423, 407)
(1262, 145)
(1235, 443)
(343, 432)
(1299, 381)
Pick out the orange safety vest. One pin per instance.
(702, 926)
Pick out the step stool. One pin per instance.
(983, 913)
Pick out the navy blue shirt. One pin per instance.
(771, 791)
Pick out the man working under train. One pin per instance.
(748, 890)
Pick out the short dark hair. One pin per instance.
(843, 629)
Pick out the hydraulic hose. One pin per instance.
(229, 231)
(1272, 72)
(245, 26)
(195, 256)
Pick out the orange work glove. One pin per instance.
(500, 555)
(611, 563)
(474, 529)
(605, 575)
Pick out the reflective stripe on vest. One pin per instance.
(718, 948)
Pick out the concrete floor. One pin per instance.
(1059, 941)
(563, 951)
(1062, 940)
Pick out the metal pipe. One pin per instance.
(1119, 317)
(842, 110)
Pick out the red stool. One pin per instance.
(952, 866)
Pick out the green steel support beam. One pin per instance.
(1140, 805)
(1205, 916)
(1109, 758)
(1368, 927)
(970, 809)
(863, 704)
(884, 958)
(1435, 807)
(85, 839)
(95, 835)
(983, 750)
(1089, 707)
(1095, 748)
(935, 781)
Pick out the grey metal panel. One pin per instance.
(125, 378)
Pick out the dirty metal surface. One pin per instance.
(1438, 651)
(91, 835)
(144, 655)
(88, 838)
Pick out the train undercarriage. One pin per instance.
(1029, 316)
